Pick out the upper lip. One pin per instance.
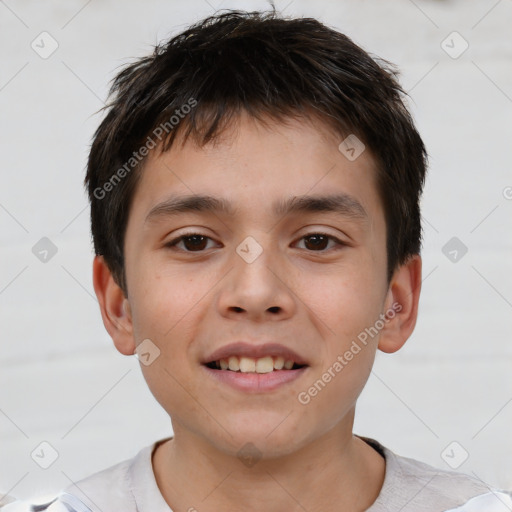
(242, 348)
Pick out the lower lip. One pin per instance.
(256, 382)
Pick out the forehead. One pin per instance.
(252, 167)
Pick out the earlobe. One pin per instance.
(114, 306)
(402, 299)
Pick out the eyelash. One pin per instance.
(172, 243)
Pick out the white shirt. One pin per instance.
(409, 486)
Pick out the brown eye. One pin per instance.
(316, 242)
(319, 242)
(195, 242)
(190, 243)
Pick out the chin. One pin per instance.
(267, 435)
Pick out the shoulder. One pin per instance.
(105, 490)
(413, 486)
(23, 506)
(128, 486)
(108, 489)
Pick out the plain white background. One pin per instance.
(61, 380)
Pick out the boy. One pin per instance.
(255, 213)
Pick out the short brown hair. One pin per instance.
(266, 65)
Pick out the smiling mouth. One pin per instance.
(266, 364)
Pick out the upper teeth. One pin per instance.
(251, 365)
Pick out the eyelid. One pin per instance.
(176, 240)
(336, 239)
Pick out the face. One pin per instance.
(293, 267)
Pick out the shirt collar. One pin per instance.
(143, 484)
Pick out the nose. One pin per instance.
(259, 289)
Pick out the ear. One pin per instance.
(402, 298)
(115, 308)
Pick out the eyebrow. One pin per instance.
(340, 204)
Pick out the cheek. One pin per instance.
(333, 392)
(348, 357)
(165, 300)
(164, 312)
(350, 302)
(165, 308)
(346, 301)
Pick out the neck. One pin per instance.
(337, 471)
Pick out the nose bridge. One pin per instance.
(255, 285)
(252, 262)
